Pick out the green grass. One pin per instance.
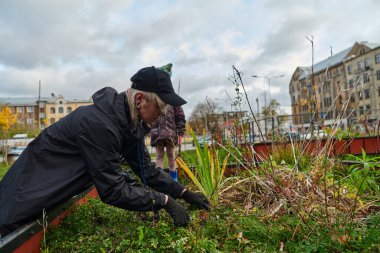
(190, 157)
(3, 169)
(97, 227)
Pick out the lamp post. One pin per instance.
(268, 78)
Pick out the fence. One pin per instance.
(299, 125)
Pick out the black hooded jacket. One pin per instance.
(85, 147)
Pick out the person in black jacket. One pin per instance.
(87, 146)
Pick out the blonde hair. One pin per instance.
(149, 96)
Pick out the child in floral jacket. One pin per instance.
(167, 132)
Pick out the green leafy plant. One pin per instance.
(209, 171)
(364, 175)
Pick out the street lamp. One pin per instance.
(268, 78)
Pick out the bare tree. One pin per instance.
(205, 117)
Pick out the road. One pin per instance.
(151, 150)
(184, 147)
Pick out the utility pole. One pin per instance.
(265, 116)
(38, 105)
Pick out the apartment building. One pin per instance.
(32, 112)
(26, 110)
(58, 107)
(345, 85)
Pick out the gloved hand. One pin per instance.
(198, 200)
(178, 213)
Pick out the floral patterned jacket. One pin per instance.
(168, 126)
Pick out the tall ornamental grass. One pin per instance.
(208, 174)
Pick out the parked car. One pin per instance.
(16, 151)
(317, 134)
(20, 136)
(204, 140)
(291, 135)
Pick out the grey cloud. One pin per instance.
(87, 45)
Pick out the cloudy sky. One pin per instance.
(77, 47)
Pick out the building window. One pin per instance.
(29, 121)
(366, 93)
(377, 58)
(366, 78)
(29, 109)
(349, 69)
(360, 95)
(360, 66)
(366, 64)
(352, 98)
(368, 108)
(361, 110)
(378, 75)
(351, 82)
(52, 120)
(327, 102)
(338, 72)
(52, 110)
(20, 109)
(69, 109)
(60, 109)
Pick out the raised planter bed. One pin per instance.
(371, 145)
(28, 238)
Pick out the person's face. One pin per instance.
(149, 111)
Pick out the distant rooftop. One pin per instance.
(334, 60)
(331, 61)
(32, 101)
(306, 71)
(22, 101)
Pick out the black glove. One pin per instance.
(178, 213)
(198, 200)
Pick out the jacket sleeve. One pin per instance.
(155, 178)
(179, 117)
(98, 147)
